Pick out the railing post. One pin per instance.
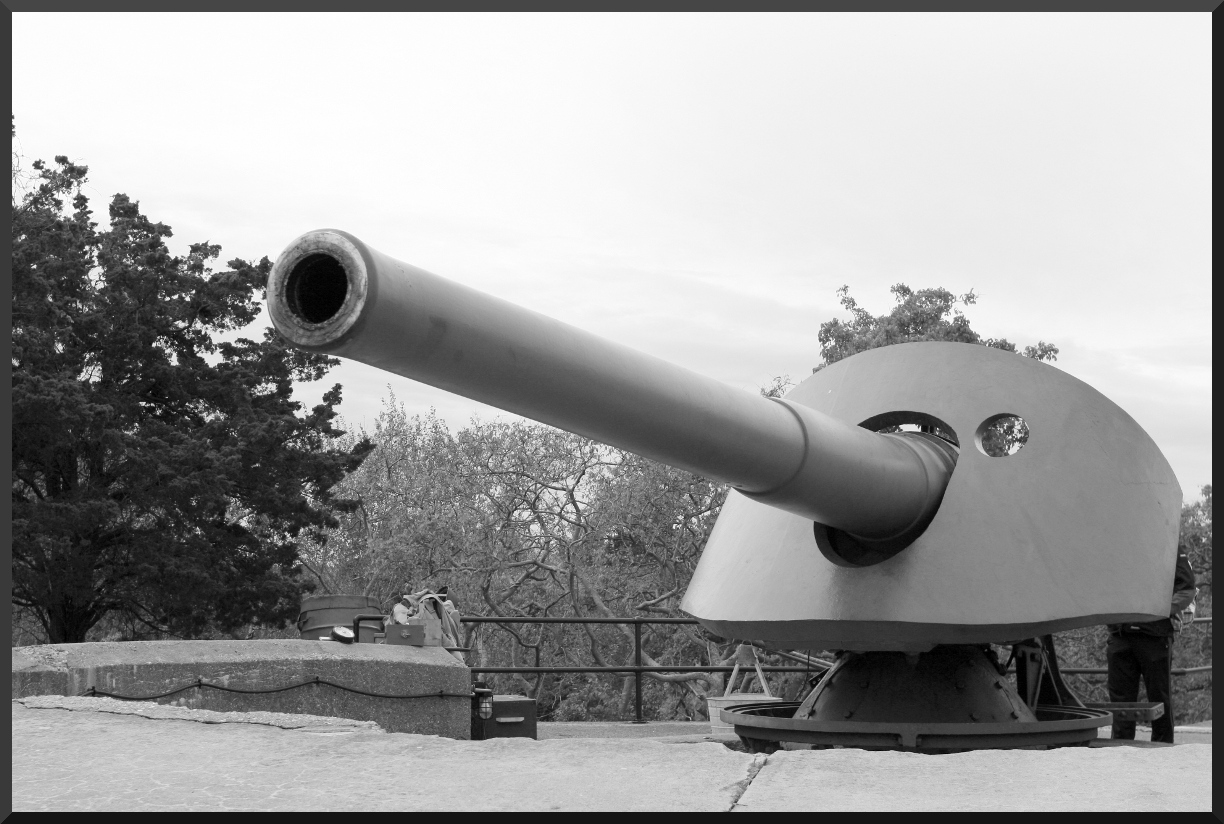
(637, 662)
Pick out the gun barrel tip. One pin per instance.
(317, 289)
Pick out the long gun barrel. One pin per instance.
(330, 293)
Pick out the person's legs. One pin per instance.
(1156, 660)
(1123, 681)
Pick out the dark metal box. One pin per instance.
(514, 716)
(411, 634)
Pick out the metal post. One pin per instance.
(637, 662)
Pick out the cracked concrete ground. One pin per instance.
(81, 760)
(96, 754)
(1070, 779)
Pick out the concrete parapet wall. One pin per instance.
(139, 668)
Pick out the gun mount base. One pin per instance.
(763, 727)
(951, 699)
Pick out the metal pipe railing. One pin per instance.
(811, 665)
(1104, 671)
(636, 670)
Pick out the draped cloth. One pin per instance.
(434, 606)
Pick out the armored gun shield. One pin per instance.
(1077, 527)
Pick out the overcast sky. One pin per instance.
(697, 187)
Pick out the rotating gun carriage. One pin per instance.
(908, 551)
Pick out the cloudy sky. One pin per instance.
(693, 186)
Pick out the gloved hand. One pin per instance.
(1180, 619)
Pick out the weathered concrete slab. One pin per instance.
(96, 754)
(140, 668)
(163, 712)
(87, 761)
(1071, 778)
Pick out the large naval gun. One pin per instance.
(909, 553)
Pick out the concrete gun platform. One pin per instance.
(148, 668)
(72, 753)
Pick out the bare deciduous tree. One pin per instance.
(521, 519)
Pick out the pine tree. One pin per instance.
(161, 470)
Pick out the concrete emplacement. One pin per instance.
(141, 668)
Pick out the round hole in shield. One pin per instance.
(1002, 435)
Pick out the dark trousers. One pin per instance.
(1134, 655)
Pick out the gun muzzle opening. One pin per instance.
(317, 289)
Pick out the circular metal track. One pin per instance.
(763, 724)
